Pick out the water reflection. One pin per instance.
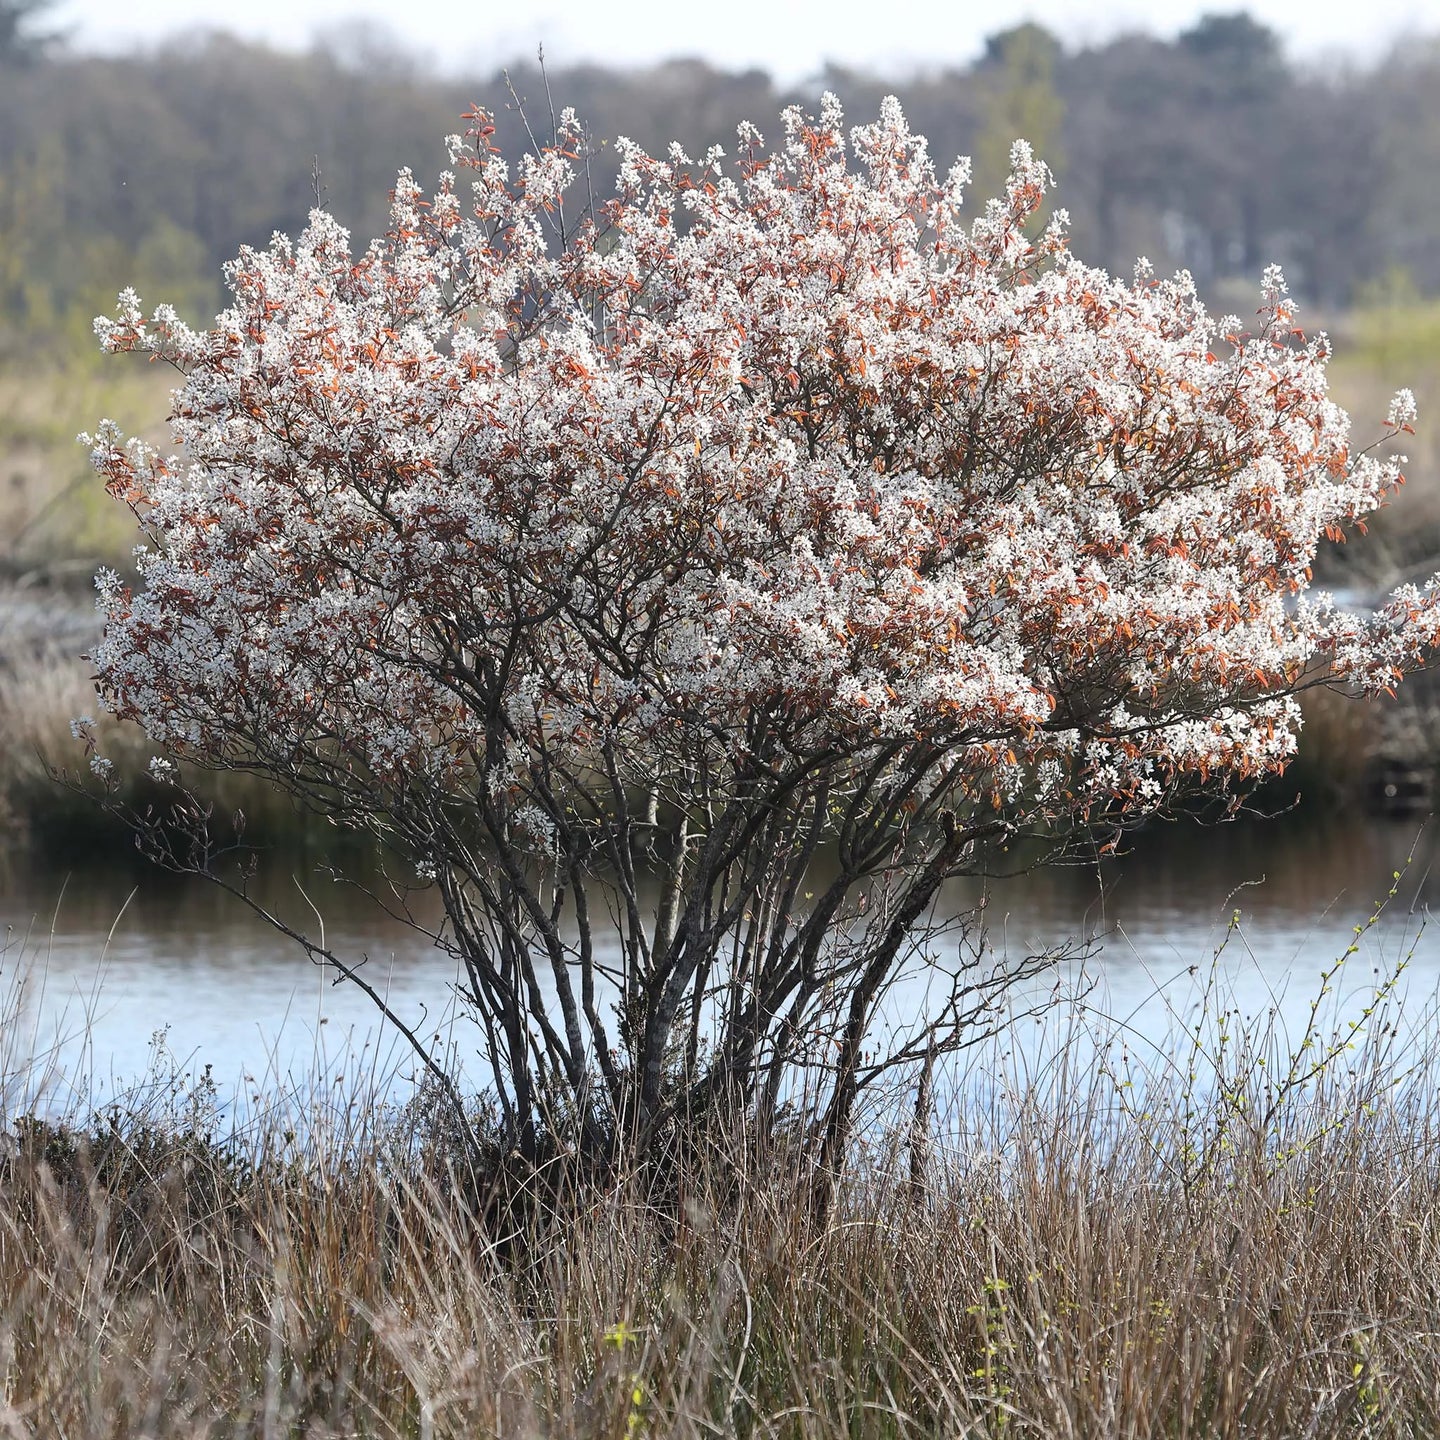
(101, 962)
(139, 962)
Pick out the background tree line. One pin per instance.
(1212, 151)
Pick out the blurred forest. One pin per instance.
(1213, 151)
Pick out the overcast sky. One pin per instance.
(791, 40)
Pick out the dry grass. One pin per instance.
(55, 517)
(42, 690)
(1340, 739)
(1392, 343)
(1241, 1239)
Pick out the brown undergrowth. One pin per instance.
(1236, 1236)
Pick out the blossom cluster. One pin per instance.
(784, 449)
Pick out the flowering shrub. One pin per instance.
(770, 525)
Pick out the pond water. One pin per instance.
(106, 972)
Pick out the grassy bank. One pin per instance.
(1392, 341)
(56, 521)
(1100, 1245)
(41, 692)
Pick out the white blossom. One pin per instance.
(1403, 410)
